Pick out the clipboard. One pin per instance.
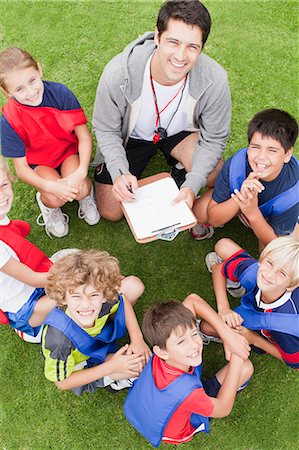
(153, 217)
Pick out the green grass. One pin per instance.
(257, 43)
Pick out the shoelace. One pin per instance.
(53, 216)
(85, 205)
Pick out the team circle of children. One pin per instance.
(160, 93)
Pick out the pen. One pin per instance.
(125, 180)
(165, 228)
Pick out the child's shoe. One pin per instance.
(234, 288)
(201, 231)
(206, 338)
(88, 209)
(54, 220)
(120, 384)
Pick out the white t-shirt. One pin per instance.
(146, 122)
(13, 293)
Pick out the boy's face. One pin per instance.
(272, 280)
(267, 156)
(6, 194)
(26, 86)
(183, 348)
(84, 305)
(178, 49)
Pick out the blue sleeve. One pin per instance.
(57, 95)
(12, 145)
(221, 191)
(69, 99)
(283, 224)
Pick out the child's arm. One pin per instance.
(60, 188)
(85, 149)
(120, 362)
(259, 341)
(137, 344)
(231, 339)
(225, 399)
(247, 201)
(233, 319)
(221, 213)
(23, 273)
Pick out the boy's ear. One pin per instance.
(288, 155)
(160, 352)
(291, 289)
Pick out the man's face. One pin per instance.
(184, 348)
(267, 156)
(178, 49)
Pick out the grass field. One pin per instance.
(257, 43)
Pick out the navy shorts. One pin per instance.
(139, 153)
(211, 386)
(19, 320)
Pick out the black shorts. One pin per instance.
(139, 153)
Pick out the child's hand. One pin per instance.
(252, 183)
(139, 346)
(231, 318)
(76, 179)
(248, 334)
(128, 365)
(247, 201)
(62, 190)
(235, 343)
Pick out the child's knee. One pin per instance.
(132, 287)
(248, 369)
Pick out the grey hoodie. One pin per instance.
(117, 107)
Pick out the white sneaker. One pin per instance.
(206, 338)
(88, 209)
(54, 220)
(28, 338)
(120, 384)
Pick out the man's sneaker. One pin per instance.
(200, 232)
(179, 175)
(120, 384)
(88, 209)
(234, 288)
(211, 259)
(206, 339)
(53, 219)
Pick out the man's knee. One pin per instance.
(109, 208)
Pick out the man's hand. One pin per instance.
(120, 189)
(185, 195)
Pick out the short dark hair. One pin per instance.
(191, 12)
(277, 124)
(162, 318)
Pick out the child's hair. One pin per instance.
(191, 12)
(93, 267)
(162, 318)
(277, 124)
(5, 168)
(284, 253)
(14, 58)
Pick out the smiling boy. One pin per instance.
(272, 290)
(161, 93)
(169, 402)
(92, 315)
(259, 183)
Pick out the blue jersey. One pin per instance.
(282, 223)
(288, 345)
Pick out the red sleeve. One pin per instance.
(198, 402)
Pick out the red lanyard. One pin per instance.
(161, 133)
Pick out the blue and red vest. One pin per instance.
(276, 205)
(14, 235)
(149, 409)
(96, 347)
(46, 132)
